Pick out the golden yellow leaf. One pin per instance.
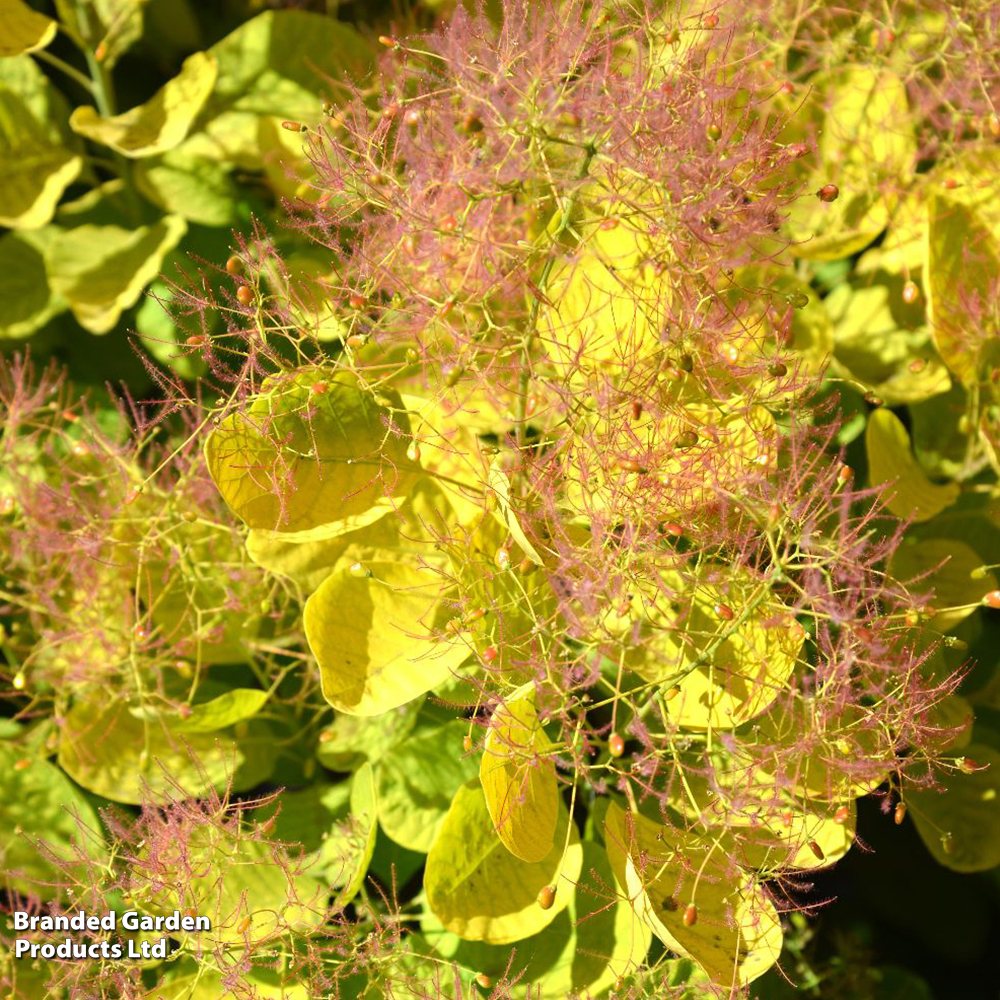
(518, 780)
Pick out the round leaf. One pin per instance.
(295, 460)
(482, 892)
(910, 493)
(417, 781)
(961, 824)
(736, 937)
(371, 635)
(519, 782)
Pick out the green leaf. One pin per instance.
(185, 980)
(736, 937)
(197, 189)
(191, 602)
(306, 816)
(417, 780)
(347, 850)
(519, 782)
(943, 566)
(26, 300)
(41, 803)
(482, 892)
(350, 740)
(910, 493)
(22, 75)
(961, 824)
(159, 124)
(296, 460)
(110, 752)
(274, 64)
(102, 270)
(372, 635)
(226, 710)
(23, 29)
(34, 169)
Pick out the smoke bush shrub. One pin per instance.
(549, 484)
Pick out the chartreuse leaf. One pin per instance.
(500, 485)
(347, 851)
(910, 493)
(482, 892)
(234, 706)
(824, 743)
(731, 445)
(961, 824)
(159, 124)
(162, 333)
(193, 187)
(186, 981)
(110, 752)
(512, 601)
(42, 804)
(350, 740)
(771, 830)
(942, 566)
(273, 65)
(35, 169)
(581, 953)
(376, 637)
(961, 274)
(191, 603)
(298, 460)
(414, 525)
(23, 29)
(23, 76)
(446, 429)
(736, 937)
(102, 270)
(787, 837)
(26, 300)
(879, 337)
(518, 780)
(417, 780)
(790, 310)
(737, 650)
(865, 142)
(247, 888)
(905, 244)
(605, 299)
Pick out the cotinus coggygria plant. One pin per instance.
(601, 508)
